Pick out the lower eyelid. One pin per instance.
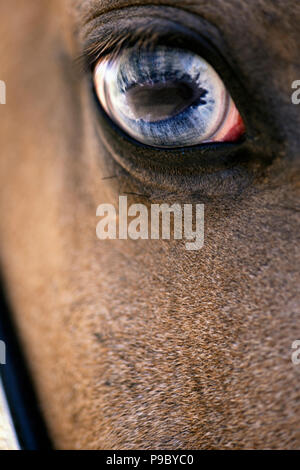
(204, 170)
(209, 171)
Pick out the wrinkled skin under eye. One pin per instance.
(167, 97)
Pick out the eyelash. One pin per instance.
(114, 44)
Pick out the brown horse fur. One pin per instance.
(143, 344)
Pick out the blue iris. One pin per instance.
(164, 97)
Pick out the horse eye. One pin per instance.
(167, 97)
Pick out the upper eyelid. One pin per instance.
(108, 32)
(95, 9)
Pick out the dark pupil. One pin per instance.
(159, 101)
